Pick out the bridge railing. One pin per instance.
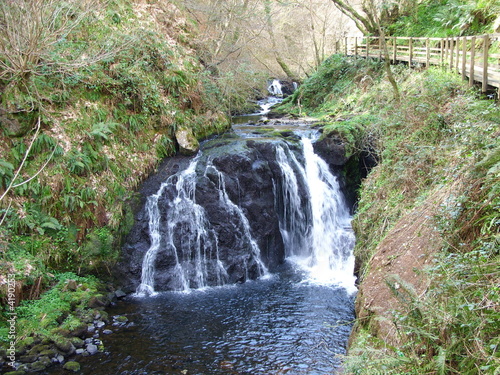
(476, 58)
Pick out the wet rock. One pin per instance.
(65, 345)
(107, 332)
(120, 319)
(72, 366)
(98, 302)
(120, 294)
(37, 349)
(28, 358)
(38, 366)
(92, 349)
(77, 342)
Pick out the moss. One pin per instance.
(72, 366)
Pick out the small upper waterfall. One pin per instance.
(275, 88)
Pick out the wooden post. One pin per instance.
(427, 53)
(356, 46)
(346, 46)
(411, 52)
(464, 57)
(336, 46)
(441, 44)
(486, 47)
(395, 50)
(472, 61)
(367, 47)
(380, 48)
(457, 61)
(446, 45)
(452, 47)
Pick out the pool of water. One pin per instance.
(281, 324)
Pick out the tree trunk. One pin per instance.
(365, 24)
(270, 29)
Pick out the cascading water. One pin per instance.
(275, 88)
(209, 224)
(180, 227)
(317, 234)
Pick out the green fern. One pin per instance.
(6, 173)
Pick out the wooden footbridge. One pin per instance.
(476, 58)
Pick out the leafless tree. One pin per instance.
(30, 31)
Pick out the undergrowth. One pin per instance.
(441, 134)
(82, 126)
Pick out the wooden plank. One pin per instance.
(395, 50)
(411, 52)
(472, 61)
(427, 53)
(451, 53)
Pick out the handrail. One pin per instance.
(476, 58)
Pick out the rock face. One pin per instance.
(188, 144)
(248, 170)
(231, 223)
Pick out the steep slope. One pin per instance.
(428, 215)
(107, 92)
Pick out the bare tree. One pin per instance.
(364, 22)
(30, 31)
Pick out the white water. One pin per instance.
(318, 237)
(182, 212)
(315, 225)
(275, 88)
(184, 231)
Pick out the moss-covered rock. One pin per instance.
(72, 366)
(188, 144)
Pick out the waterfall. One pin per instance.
(196, 243)
(180, 227)
(318, 236)
(185, 217)
(275, 88)
(294, 208)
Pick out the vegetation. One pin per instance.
(90, 100)
(441, 137)
(423, 18)
(91, 96)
